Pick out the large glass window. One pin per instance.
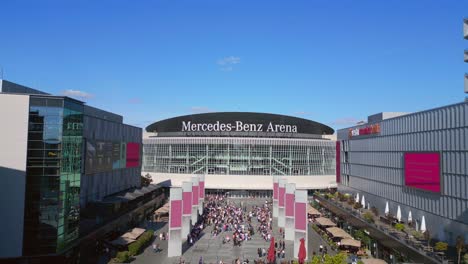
(52, 175)
(235, 156)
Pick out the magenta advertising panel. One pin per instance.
(187, 197)
(338, 149)
(281, 196)
(195, 195)
(300, 217)
(133, 155)
(289, 204)
(201, 186)
(275, 190)
(422, 170)
(176, 213)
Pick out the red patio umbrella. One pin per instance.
(271, 251)
(302, 252)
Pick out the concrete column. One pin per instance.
(187, 208)
(195, 196)
(201, 192)
(289, 211)
(281, 202)
(275, 195)
(300, 220)
(175, 223)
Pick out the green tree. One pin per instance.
(363, 237)
(337, 259)
(316, 260)
(460, 245)
(465, 258)
(441, 246)
(400, 227)
(368, 217)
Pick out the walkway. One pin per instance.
(213, 250)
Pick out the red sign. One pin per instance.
(300, 218)
(275, 191)
(187, 196)
(281, 196)
(367, 130)
(289, 204)
(133, 155)
(176, 213)
(422, 170)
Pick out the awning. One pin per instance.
(338, 232)
(137, 194)
(128, 196)
(349, 242)
(311, 210)
(139, 191)
(373, 261)
(152, 187)
(163, 210)
(325, 221)
(122, 241)
(146, 190)
(134, 234)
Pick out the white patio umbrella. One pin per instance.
(386, 208)
(423, 224)
(368, 205)
(357, 197)
(363, 202)
(410, 217)
(398, 214)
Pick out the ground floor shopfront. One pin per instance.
(241, 193)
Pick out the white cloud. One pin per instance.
(229, 60)
(200, 109)
(226, 64)
(345, 121)
(77, 94)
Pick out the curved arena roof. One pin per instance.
(234, 124)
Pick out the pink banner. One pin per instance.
(281, 196)
(289, 204)
(195, 195)
(133, 155)
(187, 197)
(300, 219)
(201, 186)
(422, 170)
(176, 213)
(275, 190)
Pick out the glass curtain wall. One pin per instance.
(235, 156)
(52, 175)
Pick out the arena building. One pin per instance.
(415, 161)
(240, 151)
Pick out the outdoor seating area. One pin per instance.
(412, 232)
(128, 237)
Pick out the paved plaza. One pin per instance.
(212, 249)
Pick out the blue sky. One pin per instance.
(334, 62)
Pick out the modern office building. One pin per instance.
(240, 151)
(418, 161)
(57, 155)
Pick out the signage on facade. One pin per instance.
(237, 126)
(367, 130)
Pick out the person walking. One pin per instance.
(154, 248)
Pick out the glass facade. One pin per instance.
(54, 161)
(239, 156)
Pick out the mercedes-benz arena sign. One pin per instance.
(238, 122)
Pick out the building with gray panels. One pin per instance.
(418, 161)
